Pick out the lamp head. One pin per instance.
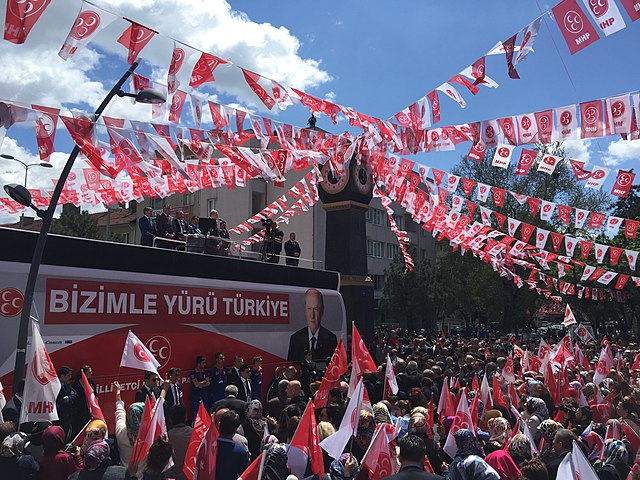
(18, 193)
(7, 156)
(146, 95)
(45, 165)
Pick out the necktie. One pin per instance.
(176, 395)
(313, 344)
(247, 389)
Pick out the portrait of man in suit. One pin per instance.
(320, 341)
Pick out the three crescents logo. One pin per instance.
(11, 300)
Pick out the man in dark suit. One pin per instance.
(163, 223)
(174, 393)
(233, 375)
(244, 383)
(147, 230)
(179, 226)
(314, 337)
(232, 402)
(292, 250)
(66, 400)
(308, 370)
(149, 388)
(11, 411)
(412, 453)
(562, 444)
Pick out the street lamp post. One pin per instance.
(26, 167)
(22, 196)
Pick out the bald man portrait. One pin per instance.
(320, 341)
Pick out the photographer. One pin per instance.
(273, 238)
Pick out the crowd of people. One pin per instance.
(175, 227)
(537, 411)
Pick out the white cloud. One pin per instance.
(578, 150)
(33, 72)
(330, 96)
(622, 150)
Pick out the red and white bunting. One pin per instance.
(89, 22)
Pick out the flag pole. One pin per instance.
(80, 432)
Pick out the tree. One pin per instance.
(73, 223)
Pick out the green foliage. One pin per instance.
(466, 288)
(75, 224)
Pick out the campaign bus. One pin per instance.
(90, 293)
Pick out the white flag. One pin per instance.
(584, 470)
(334, 444)
(451, 92)
(3, 402)
(566, 125)
(529, 37)
(569, 317)
(41, 386)
(391, 377)
(136, 355)
(598, 176)
(89, 22)
(462, 420)
(502, 156)
(607, 17)
(546, 210)
(548, 164)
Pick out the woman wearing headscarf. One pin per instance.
(56, 464)
(627, 411)
(615, 463)
(499, 430)
(535, 413)
(345, 467)
(502, 463)
(364, 434)
(381, 413)
(519, 448)
(127, 425)
(418, 426)
(15, 462)
(253, 427)
(548, 430)
(468, 463)
(96, 464)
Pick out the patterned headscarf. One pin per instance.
(538, 407)
(520, 447)
(254, 414)
(499, 429)
(275, 465)
(475, 468)
(13, 444)
(97, 455)
(96, 430)
(548, 429)
(381, 413)
(615, 451)
(589, 391)
(467, 443)
(366, 428)
(134, 418)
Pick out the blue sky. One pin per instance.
(377, 57)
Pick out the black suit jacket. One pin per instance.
(169, 400)
(242, 394)
(290, 249)
(11, 411)
(143, 393)
(180, 228)
(232, 403)
(163, 225)
(147, 231)
(232, 377)
(299, 342)
(411, 472)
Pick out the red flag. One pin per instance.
(574, 25)
(337, 367)
(46, 130)
(508, 50)
(252, 80)
(632, 436)
(526, 231)
(306, 439)
(446, 408)
(498, 396)
(253, 470)
(474, 383)
(592, 119)
(430, 416)
(477, 151)
(435, 105)
(377, 459)
(80, 131)
(623, 184)
(534, 205)
(135, 38)
(360, 359)
(200, 427)
(203, 69)
(140, 449)
(544, 120)
(207, 455)
(631, 6)
(177, 104)
(473, 410)
(21, 17)
(463, 81)
(508, 373)
(526, 160)
(92, 401)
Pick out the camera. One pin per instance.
(267, 223)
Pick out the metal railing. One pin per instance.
(224, 247)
